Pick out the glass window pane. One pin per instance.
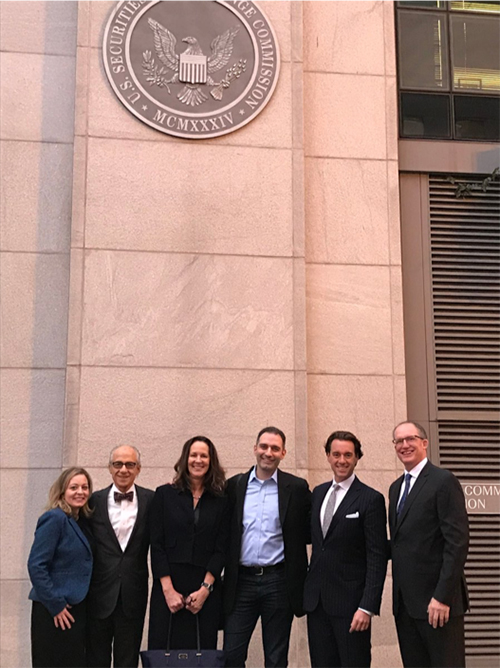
(429, 4)
(423, 50)
(492, 7)
(476, 53)
(425, 115)
(477, 117)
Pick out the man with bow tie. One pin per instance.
(118, 592)
(343, 588)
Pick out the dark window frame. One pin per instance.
(451, 93)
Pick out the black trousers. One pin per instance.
(423, 646)
(332, 646)
(263, 596)
(118, 635)
(51, 647)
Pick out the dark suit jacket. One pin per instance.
(60, 562)
(173, 536)
(116, 571)
(429, 543)
(348, 566)
(294, 500)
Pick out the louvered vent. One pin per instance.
(482, 623)
(465, 281)
(465, 257)
(470, 449)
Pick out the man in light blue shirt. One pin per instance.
(267, 560)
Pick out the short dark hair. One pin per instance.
(344, 436)
(272, 430)
(421, 431)
(215, 479)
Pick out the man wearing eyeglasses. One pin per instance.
(118, 592)
(429, 543)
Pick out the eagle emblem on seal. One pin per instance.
(192, 67)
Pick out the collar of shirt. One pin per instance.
(417, 470)
(345, 485)
(253, 476)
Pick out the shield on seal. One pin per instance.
(192, 69)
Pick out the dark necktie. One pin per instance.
(127, 496)
(405, 494)
(330, 507)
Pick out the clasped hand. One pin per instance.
(193, 602)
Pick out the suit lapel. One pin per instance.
(317, 510)
(283, 496)
(141, 512)
(241, 489)
(393, 501)
(349, 499)
(79, 533)
(102, 506)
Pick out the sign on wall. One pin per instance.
(482, 497)
(191, 69)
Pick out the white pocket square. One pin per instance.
(352, 516)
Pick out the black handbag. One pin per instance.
(187, 658)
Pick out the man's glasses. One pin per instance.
(411, 440)
(128, 465)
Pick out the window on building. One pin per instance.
(449, 69)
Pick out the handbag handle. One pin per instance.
(198, 643)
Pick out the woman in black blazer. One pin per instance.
(189, 535)
(60, 566)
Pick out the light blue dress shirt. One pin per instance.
(262, 540)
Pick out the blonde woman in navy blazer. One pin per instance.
(60, 566)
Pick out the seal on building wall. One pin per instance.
(191, 69)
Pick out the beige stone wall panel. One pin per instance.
(213, 201)
(15, 615)
(347, 212)
(349, 319)
(398, 349)
(23, 496)
(345, 37)
(37, 97)
(337, 119)
(31, 415)
(33, 302)
(393, 212)
(38, 27)
(145, 309)
(361, 404)
(35, 196)
(159, 409)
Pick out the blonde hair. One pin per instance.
(58, 489)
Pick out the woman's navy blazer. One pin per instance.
(60, 562)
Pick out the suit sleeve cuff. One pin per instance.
(372, 614)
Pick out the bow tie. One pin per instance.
(127, 496)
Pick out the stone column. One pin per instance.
(355, 356)
(37, 72)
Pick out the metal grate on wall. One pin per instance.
(465, 262)
(465, 291)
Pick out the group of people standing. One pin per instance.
(226, 553)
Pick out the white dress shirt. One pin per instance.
(414, 473)
(122, 515)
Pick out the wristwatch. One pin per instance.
(208, 586)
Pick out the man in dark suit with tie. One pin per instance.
(118, 592)
(267, 560)
(429, 543)
(343, 589)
